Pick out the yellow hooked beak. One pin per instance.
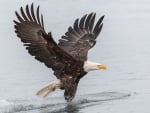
(102, 67)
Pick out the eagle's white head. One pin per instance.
(90, 66)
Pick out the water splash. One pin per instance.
(57, 104)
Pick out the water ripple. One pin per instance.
(50, 105)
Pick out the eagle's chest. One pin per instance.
(74, 69)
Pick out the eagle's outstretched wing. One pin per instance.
(81, 37)
(30, 29)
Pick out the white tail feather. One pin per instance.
(49, 88)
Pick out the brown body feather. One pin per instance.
(67, 58)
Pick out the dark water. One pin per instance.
(56, 104)
(123, 45)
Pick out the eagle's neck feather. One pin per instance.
(90, 66)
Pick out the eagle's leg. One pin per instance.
(49, 88)
(69, 94)
(69, 103)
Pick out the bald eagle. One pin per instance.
(68, 58)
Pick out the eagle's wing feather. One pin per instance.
(30, 29)
(81, 37)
